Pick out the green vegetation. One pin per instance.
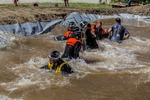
(72, 5)
(89, 5)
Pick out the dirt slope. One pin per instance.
(10, 15)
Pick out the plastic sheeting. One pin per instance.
(77, 18)
(90, 17)
(30, 28)
(37, 28)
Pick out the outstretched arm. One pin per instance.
(126, 34)
(93, 33)
(109, 32)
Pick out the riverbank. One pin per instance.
(20, 14)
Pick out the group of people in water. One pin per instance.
(83, 36)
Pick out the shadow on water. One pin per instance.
(91, 61)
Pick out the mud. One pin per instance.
(10, 15)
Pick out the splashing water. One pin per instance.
(110, 58)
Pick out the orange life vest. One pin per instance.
(68, 33)
(93, 28)
(72, 41)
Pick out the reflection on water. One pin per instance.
(118, 71)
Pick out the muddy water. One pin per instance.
(114, 72)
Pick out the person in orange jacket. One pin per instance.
(66, 35)
(73, 44)
(69, 29)
(98, 32)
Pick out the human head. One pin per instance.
(84, 24)
(77, 32)
(118, 20)
(71, 25)
(54, 55)
(76, 29)
(98, 24)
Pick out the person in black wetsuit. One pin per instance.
(58, 65)
(118, 32)
(90, 40)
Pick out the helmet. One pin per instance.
(76, 33)
(76, 29)
(118, 20)
(84, 24)
(71, 25)
(54, 54)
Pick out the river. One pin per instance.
(114, 72)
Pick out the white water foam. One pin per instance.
(3, 97)
(6, 39)
(114, 57)
(30, 73)
(119, 56)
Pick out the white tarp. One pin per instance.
(31, 28)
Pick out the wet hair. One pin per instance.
(118, 20)
(99, 22)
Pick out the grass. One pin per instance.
(88, 5)
(72, 5)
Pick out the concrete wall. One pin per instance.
(30, 1)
